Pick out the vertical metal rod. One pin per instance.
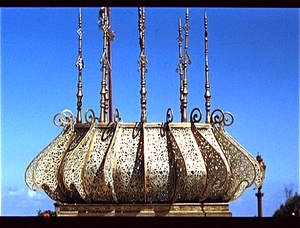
(179, 68)
(187, 60)
(259, 196)
(79, 65)
(110, 78)
(207, 86)
(142, 62)
(105, 68)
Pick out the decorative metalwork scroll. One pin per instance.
(194, 116)
(220, 119)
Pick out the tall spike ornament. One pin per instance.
(105, 68)
(207, 86)
(186, 61)
(180, 67)
(80, 66)
(143, 62)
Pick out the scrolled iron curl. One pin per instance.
(194, 116)
(221, 119)
(66, 117)
(117, 118)
(91, 118)
(169, 116)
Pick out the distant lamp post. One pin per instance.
(259, 194)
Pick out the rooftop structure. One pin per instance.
(113, 162)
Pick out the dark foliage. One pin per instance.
(291, 207)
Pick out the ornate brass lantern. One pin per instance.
(144, 163)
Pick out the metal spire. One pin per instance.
(142, 62)
(79, 65)
(207, 86)
(186, 61)
(179, 68)
(104, 26)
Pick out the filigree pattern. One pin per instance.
(109, 164)
(73, 169)
(217, 172)
(242, 170)
(94, 183)
(128, 177)
(259, 173)
(159, 173)
(77, 137)
(30, 169)
(194, 163)
(179, 166)
(210, 138)
(45, 170)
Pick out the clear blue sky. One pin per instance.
(254, 74)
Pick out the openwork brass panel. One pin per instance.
(73, 170)
(29, 177)
(259, 172)
(77, 137)
(217, 169)
(159, 173)
(242, 170)
(94, 182)
(49, 164)
(209, 137)
(143, 163)
(179, 167)
(194, 163)
(128, 174)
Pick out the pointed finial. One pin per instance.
(207, 86)
(142, 62)
(180, 67)
(80, 66)
(104, 26)
(186, 61)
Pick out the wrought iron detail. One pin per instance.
(169, 117)
(221, 119)
(91, 118)
(117, 117)
(194, 116)
(66, 117)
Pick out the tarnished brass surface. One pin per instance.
(144, 210)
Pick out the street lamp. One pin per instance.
(259, 194)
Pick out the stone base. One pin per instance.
(144, 210)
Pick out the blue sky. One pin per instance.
(254, 74)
